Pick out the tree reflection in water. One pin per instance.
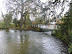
(24, 44)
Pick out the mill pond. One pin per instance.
(29, 42)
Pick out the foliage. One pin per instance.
(69, 14)
(2, 25)
(7, 19)
(16, 22)
(70, 48)
(39, 20)
(19, 7)
(27, 20)
(64, 32)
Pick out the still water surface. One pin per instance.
(29, 42)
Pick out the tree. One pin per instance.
(69, 13)
(20, 6)
(27, 20)
(16, 22)
(7, 19)
(51, 7)
(65, 29)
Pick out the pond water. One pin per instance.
(29, 42)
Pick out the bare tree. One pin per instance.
(19, 7)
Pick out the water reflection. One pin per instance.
(24, 44)
(28, 42)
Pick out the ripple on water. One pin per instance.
(28, 42)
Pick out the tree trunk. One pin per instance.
(21, 20)
(25, 21)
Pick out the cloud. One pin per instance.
(43, 1)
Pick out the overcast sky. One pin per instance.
(43, 1)
(2, 7)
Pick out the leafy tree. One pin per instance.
(16, 22)
(27, 20)
(39, 20)
(7, 19)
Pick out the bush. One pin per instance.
(58, 34)
(64, 32)
(70, 48)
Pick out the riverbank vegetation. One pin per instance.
(64, 31)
